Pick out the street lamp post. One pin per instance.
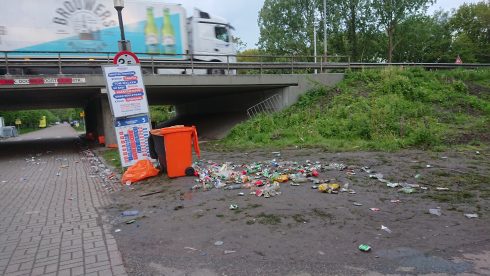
(123, 43)
(325, 43)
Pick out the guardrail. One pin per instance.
(35, 63)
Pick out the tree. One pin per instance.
(239, 43)
(423, 39)
(391, 13)
(470, 25)
(286, 26)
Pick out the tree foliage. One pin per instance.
(377, 30)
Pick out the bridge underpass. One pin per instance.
(213, 103)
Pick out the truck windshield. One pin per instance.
(222, 33)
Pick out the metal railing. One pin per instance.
(269, 105)
(36, 63)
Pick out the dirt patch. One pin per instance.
(304, 231)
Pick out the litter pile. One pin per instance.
(265, 178)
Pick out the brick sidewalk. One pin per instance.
(50, 223)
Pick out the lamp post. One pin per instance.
(123, 43)
(325, 44)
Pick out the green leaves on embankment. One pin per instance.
(386, 109)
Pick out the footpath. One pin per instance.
(50, 197)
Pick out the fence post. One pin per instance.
(321, 64)
(192, 64)
(153, 65)
(292, 65)
(228, 63)
(6, 64)
(261, 64)
(59, 64)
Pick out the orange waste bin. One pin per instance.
(178, 151)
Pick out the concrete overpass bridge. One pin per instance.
(213, 103)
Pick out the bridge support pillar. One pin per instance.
(107, 123)
(98, 120)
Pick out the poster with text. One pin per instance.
(126, 90)
(132, 139)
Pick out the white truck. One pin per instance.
(90, 28)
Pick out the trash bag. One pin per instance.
(141, 170)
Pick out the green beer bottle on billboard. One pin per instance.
(151, 33)
(168, 34)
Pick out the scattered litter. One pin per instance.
(392, 185)
(226, 252)
(407, 190)
(117, 230)
(4, 181)
(471, 215)
(178, 207)
(395, 201)
(314, 187)
(241, 194)
(321, 252)
(442, 189)
(386, 229)
(357, 204)
(152, 193)
(364, 248)
(130, 213)
(435, 211)
(219, 243)
(417, 176)
(477, 152)
(191, 248)
(130, 221)
(429, 166)
(375, 209)
(233, 207)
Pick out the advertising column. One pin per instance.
(129, 105)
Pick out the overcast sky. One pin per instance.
(243, 14)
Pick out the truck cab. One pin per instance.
(210, 38)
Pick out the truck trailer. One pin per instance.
(89, 28)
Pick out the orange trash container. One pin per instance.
(178, 151)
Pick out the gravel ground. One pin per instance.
(304, 232)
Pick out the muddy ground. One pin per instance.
(304, 232)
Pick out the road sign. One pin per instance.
(458, 60)
(18, 122)
(126, 58)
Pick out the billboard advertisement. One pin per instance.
(126, 91)
(132, 138)
(91, 26)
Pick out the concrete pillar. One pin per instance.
(91, 121)
(107, 122)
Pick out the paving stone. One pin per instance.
(52, 224)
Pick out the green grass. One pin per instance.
(270, 219)
(387, 110)
(111, 156)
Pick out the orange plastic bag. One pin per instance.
(141, 170)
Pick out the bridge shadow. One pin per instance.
(28, 148)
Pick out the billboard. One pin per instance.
(126, 91)
(132, 139)
(90, 26)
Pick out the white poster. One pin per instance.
(132, 139)
(126, 90)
